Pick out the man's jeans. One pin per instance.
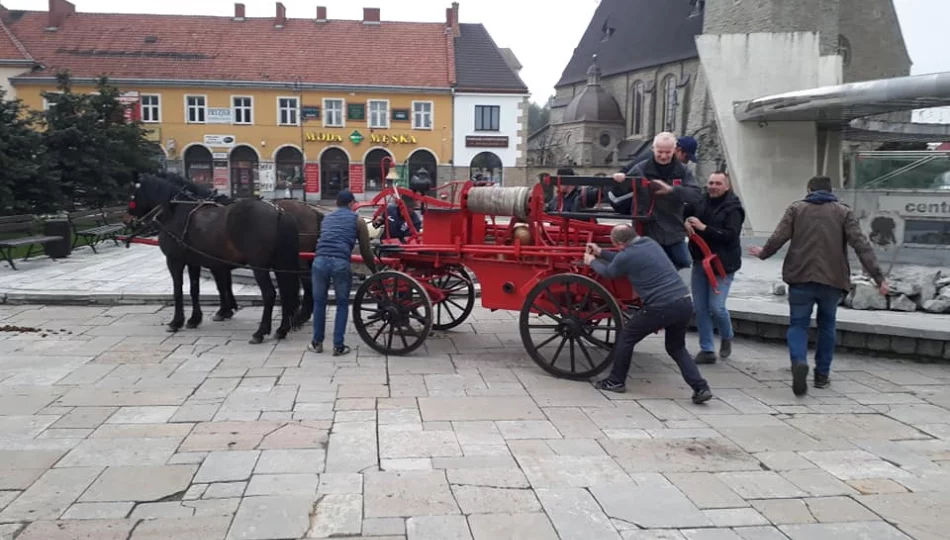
(711, 308)
(674, 319)
(679, 254)
(325, 270)
(802, 298)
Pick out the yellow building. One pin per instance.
(260, 106)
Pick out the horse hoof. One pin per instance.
(193, 324)
(172, 328)
(280, 334)
(256, 340)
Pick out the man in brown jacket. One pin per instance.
(817, 272)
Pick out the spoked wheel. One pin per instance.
(459, 290)
(569, 324)
(392, 313)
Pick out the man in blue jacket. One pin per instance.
(339, 233)
(663, 170)
(396, 226)
(666, 306)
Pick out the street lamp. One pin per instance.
(298, 89)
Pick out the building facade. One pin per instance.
(290, 107)
(490, 107)
(647, 66)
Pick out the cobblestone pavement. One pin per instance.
(111, 428)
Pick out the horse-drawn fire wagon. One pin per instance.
(523, 257)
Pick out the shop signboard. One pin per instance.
(311, 174)
(357, 178)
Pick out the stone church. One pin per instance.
(636, 71)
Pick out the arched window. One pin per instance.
(638, 96)
(670, 102)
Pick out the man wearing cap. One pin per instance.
(672, 186)
(339, 233)
(686, 148)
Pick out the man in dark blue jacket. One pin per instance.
(666, 306)
(663, 170)
(396, 226)
(339, 233)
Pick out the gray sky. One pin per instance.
(542, 37)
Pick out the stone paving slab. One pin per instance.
(110, 433)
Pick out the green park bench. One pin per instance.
(91, 227)
(18, 231)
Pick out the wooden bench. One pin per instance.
(21, 224)
(94, 226)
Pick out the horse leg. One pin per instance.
(232, 302)
(177, 269)
(268, 295)
(288, 283)
(306, 308)
(225, 299)
(194, 280)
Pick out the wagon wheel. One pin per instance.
(575, 328)
(392, 313)
(459, 301)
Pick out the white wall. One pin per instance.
(465, 126)
(771, 163)
(10, 71)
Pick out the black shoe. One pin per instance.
(315, 347)
(341, 351)
(702, 396)
(800, 379)
(821, 381)
(611, 385)
(706, 357)
(725, 348)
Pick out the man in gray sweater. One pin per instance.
(666, 306)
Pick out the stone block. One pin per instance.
(903, 345)
(878, 342)
(941, 304)
(867, 296)
(779, 289)
(854, 340)
(902, 303)
(771, 331)
(929, 348)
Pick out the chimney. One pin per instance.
(321, 14)
(238, 12)
(452, 19)
(58, 11)
(281, 19)
(370, 15)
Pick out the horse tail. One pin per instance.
(286, 262)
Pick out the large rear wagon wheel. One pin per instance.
(392, 313)
(569, 324)
(459, 289)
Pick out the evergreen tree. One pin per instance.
(26, 183)
(97, 153)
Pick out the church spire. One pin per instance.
(593, 73)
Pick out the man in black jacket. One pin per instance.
(717, 218)
(664, 172)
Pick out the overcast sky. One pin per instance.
(543, 37)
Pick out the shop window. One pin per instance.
(929, 232)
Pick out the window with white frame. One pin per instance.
(421, 115)
(287, 111)
(333, 112)
(378, 113)
(242, 109)
(151, 108)
(195, 106)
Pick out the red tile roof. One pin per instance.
(10, 46)
(205, 48)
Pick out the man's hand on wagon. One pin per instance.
(593, 249)
(659, 187)
(619, 177)
(589, 258)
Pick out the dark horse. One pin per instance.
(201, 233)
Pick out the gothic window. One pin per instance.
(844, 50)
(670, 102)
(638, 96)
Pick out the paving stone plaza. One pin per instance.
(111, 428)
